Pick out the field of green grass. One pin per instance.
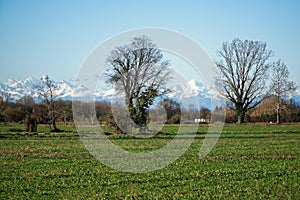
(248, 162)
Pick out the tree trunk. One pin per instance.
(241, 119)
(240, 114)
(278, 113)
(53, 123)
(53, 117)
(141, 116)
(30, 124)
(33, 125)
(27, 123)
(130, 107)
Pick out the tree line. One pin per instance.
(26, 108)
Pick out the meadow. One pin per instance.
(248, 162)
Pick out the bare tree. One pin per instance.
(138, 70)
(280, 85)
(47, 93)
(241, 73)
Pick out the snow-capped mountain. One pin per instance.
(191, 92)
(17, 89)
(67, 90)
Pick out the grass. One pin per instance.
(248, 162)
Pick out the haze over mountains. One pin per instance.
(188, 91)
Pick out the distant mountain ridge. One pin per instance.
(187, 91)
(19, 88)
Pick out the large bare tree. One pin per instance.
(280, 85)
(138, 70)
(47, 92)
(241, 73)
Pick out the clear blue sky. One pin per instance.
(54, 36)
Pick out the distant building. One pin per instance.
(201, 120)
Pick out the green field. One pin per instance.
(248, 162)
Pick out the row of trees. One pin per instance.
(26, 109)
(52, 110)
(267, 112)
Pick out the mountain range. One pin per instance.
(189, 91)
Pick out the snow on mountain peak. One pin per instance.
(190, 91)
(194, 83)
